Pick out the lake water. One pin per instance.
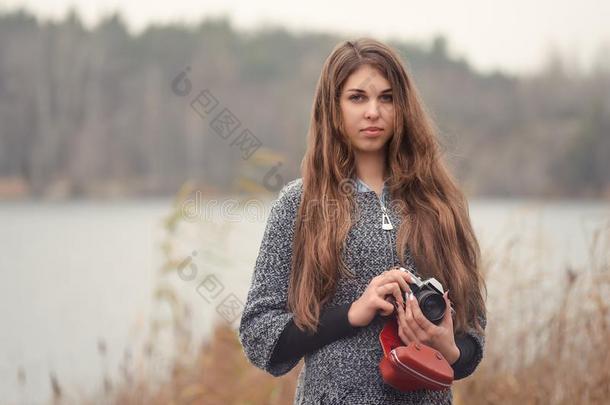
(75, 274)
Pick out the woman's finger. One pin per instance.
(403, 337)
(406, 274)
(397, 276)
(378, 279)
(391, 288)
(401, 329)
(419, 316)
(424, 335)
(401, 278)
(409, 316)
(384, 307)
(447, 321)
(404, 325)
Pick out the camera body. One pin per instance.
(429, 296)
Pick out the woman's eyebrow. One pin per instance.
(364, 91)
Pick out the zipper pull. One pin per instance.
(386, 224)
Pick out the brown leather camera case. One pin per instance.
(414, 366)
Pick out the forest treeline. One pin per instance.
(98, 112)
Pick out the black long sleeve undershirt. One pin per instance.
(334, 325)
(295, 343)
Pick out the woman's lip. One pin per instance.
(372, 131)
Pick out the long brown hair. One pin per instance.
(436, 225)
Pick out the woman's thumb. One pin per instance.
(447, 318)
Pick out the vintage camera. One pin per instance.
(429, 296)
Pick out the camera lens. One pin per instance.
(432, 305)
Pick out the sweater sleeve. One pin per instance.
(265, 313)
(471, 345)
(295, 343)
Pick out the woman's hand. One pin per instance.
(413, 326)
(372, 300)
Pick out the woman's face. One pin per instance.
(366, 101)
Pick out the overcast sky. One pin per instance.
(514, 36)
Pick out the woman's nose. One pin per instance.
(372, 110)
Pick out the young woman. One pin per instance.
(374, 195)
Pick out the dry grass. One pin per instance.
(218, 374)
(569, 362)
(563, 358)
(558, 356)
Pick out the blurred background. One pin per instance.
(141, 145)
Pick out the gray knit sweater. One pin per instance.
(346, 370)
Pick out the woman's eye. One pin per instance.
(358, 97)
